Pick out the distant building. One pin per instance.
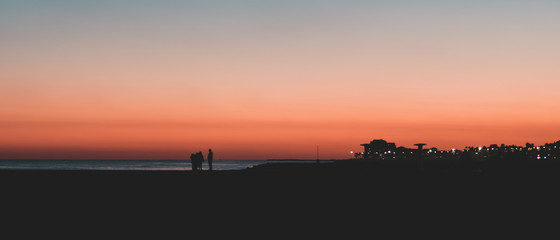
(377, 148)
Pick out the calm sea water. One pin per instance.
(122, 164)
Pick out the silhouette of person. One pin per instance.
(210, 158)
(193, 162)
(200, 160)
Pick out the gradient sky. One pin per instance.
(273, 79)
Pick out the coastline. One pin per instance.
(271, 194)
(347, 173)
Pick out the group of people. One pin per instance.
(198, 158)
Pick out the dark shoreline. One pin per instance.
(339, 175)
(271, 195)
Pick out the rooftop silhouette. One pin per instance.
(383, 150)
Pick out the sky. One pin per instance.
(268, 79)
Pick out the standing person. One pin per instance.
(210, 158)
(200, 159)
(193, 162)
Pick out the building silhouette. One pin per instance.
(378, 148)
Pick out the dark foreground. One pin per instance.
(284, 197)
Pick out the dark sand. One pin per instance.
(281, 196)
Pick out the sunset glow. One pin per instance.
(273, 79)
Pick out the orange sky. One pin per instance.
(274, 80)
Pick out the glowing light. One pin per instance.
(479, 148)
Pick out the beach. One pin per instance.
(324, 182)
(320, 198)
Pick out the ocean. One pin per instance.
(163, 165)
